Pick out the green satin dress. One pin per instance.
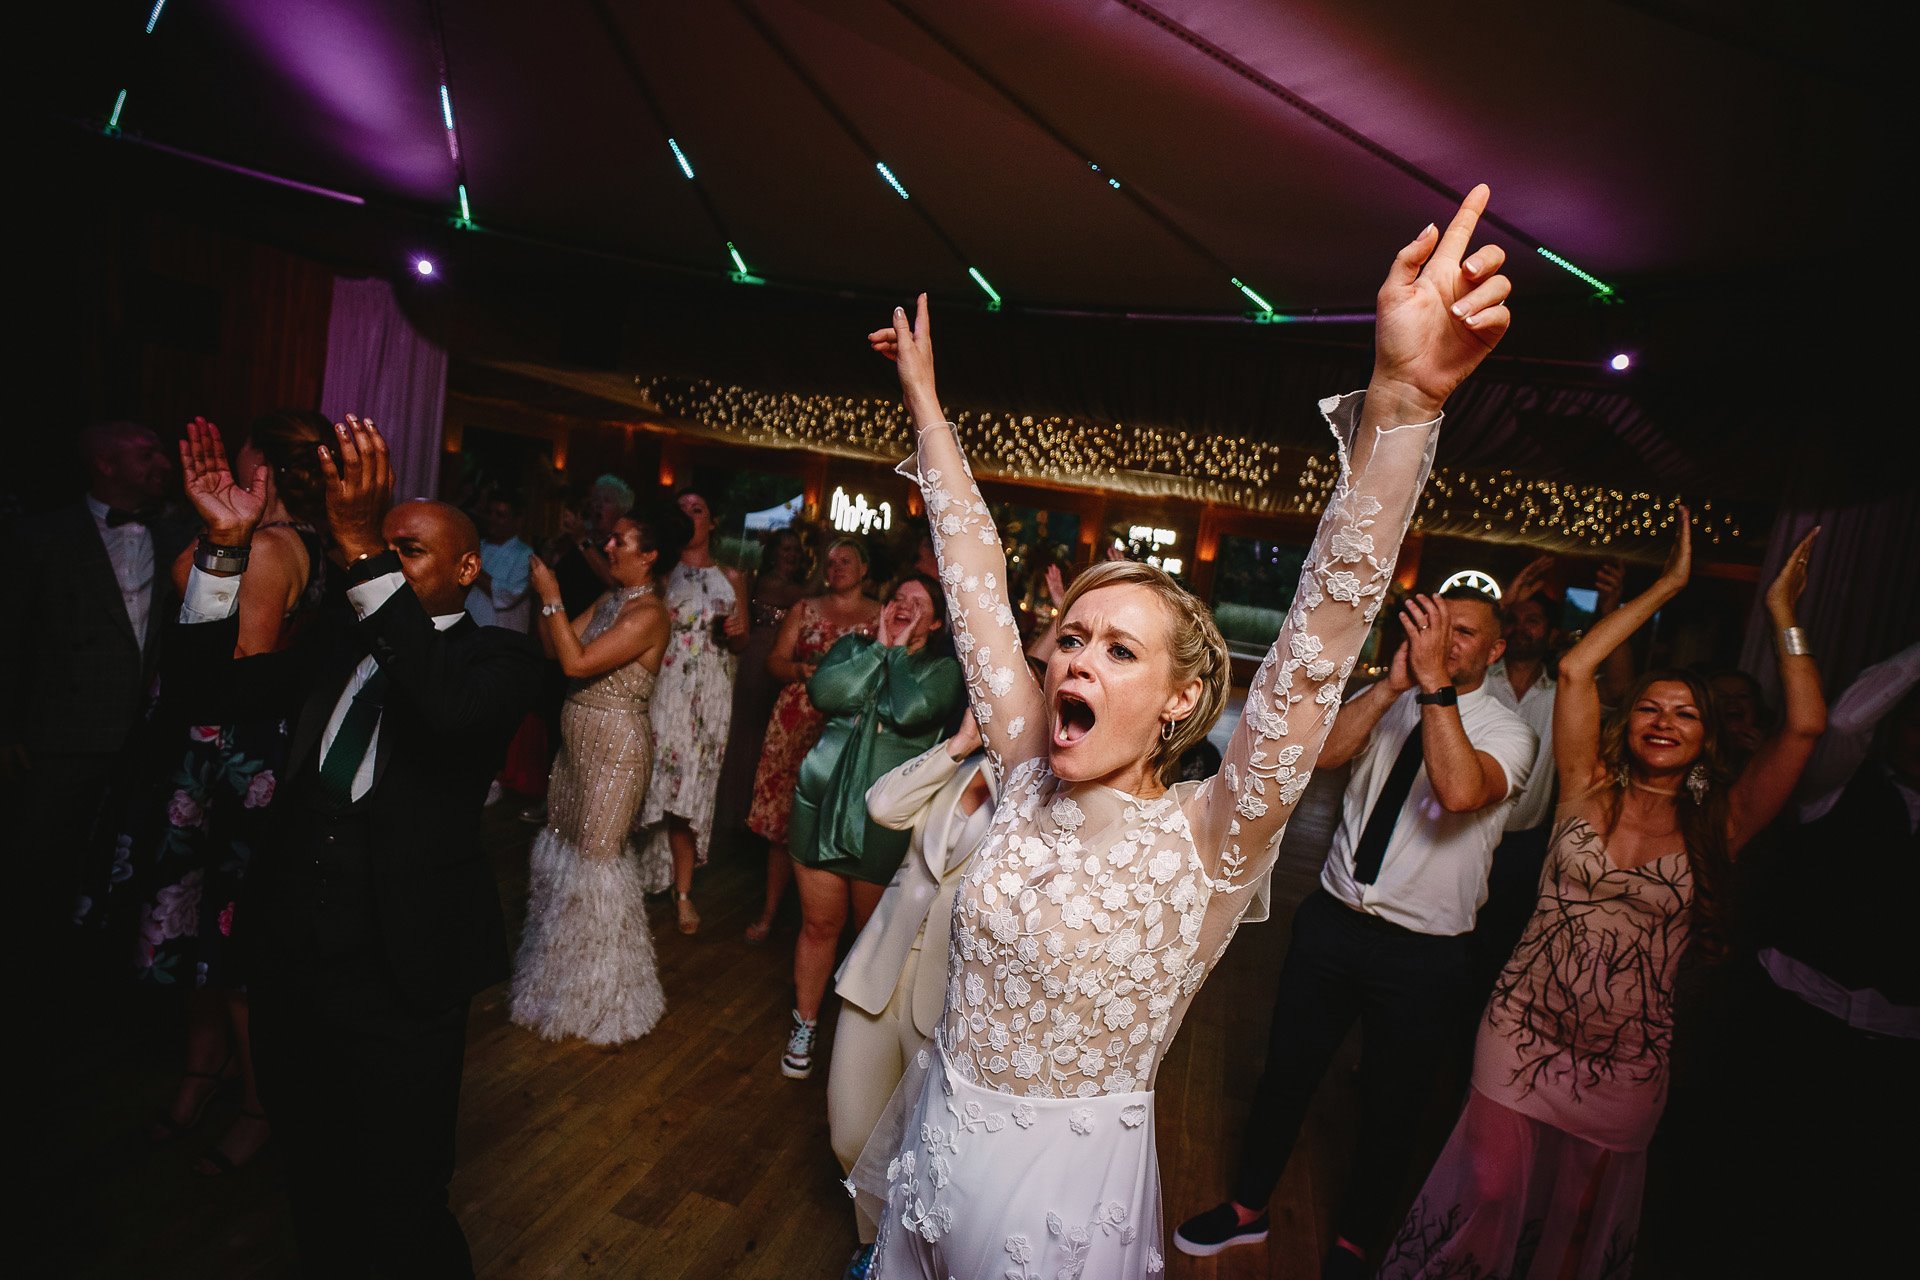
(884, 706)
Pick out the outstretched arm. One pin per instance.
(1770, 776)
(973, 569)
(1440, 311)
(1576, 701)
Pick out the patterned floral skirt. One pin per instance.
(992, 1186)
(187, 849)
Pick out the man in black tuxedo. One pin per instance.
(370, 915)
(87, 597)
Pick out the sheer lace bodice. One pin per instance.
(1090, 917)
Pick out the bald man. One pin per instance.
(370, 916)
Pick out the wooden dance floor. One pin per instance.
(686, 1154)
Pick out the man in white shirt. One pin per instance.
(500, 596)
(1436, 761)
(87, 592)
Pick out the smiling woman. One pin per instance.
(1100, 898)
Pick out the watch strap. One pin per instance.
(1445, 696)
(367, 568)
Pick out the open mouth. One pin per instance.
(1655, 740)
(1072, 719)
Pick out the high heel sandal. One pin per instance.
(689, 918)
(758, 932)
(166, 1129)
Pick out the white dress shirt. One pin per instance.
(1851, 723)
(209, 599)
(509, 566)
(130, 552)
(1433, 877)
(1533, 807)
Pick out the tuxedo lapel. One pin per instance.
(96, 570)
(464, 631)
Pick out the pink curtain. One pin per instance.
(1863, 587)
(379, 368)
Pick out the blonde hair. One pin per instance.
(1195, 645)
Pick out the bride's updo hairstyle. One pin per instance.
(1193, 641)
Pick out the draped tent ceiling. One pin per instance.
(1690, 154)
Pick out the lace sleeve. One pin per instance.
(973, 570)
(1238, 814)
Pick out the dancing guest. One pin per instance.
(1543, 1174)
(893, 983)
(195, 835)
(692, 701)
(500, 595)
(1102, 897)
(78, 646)
(780, 584)
(885, 700)
(1437, 760)
(586, 965)
(1823, 1020)
(813, 627)
(370, 916)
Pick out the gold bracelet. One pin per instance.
(1794, 641)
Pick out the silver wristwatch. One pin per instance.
(211, 557)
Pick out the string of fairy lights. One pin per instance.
(1157, 462)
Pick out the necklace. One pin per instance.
(1637, 785)
(634, 592)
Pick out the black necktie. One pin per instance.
(1372, 849)
(117, 516)
(349, 746)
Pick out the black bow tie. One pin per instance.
(117, 516)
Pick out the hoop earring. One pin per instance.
(1697, 783)
(1167, 728)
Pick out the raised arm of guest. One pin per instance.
(639, 632)
(1767, 782)
(208, 678)
(1576, 701)
(1851, 724)
(1463, 777)
(409, 568)
(1041, 648)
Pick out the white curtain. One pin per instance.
(379, 368)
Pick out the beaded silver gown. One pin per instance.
(586, 963)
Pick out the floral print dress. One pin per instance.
(692, 708)
(187, 849)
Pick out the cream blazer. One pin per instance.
(922, 795)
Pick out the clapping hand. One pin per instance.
(1679, 566)
(359, 488)
(1783, 597)
(1530, 581)
(229, 510)
(1056, 587)
(1429, 629)
(545, 585)
(1440, 311)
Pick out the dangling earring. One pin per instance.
(1166, 729)
(1697, 783)
(1622, 777)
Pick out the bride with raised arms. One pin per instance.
(1022, 1145)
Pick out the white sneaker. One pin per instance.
(797, 1062)
(494, 792)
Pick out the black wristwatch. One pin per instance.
(1445, 696)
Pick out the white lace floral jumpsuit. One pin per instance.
(1023, 1147)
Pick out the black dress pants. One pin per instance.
(1405, 989)
(1513, 890)
(363, 1093)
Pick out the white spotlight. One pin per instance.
(424, 266)
(1620, 363)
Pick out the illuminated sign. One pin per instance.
(855, 515)
(1473, 578)
(1155, 539)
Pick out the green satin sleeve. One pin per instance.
(848, 676)
(920, 691)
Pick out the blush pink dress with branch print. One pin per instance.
(1542, 1177)
(1021, 1142)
